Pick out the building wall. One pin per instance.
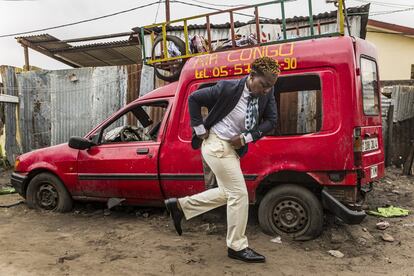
(395, 54)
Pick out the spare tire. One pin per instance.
(175, 74)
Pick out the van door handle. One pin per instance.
(142, 151)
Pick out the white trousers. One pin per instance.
(225, 164)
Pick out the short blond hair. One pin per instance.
(266, 65)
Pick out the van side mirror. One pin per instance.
(80, 143)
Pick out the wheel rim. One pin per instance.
(290, 216)
(47, 196)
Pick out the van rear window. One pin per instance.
(299, 100)
(369, 80)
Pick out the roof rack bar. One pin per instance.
(256, 15)
(233, 38)
(164, 40)
(282, 7)
(310, 17)
(187, 51)
(341, 17)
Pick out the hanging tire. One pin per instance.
(47, 192)
(176, 71)
(292, 211)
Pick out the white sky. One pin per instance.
(20, 15)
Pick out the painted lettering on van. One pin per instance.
(238, 62)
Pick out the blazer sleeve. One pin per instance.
(206, 97)
(269, 119)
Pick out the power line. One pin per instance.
(81, 21)
(384, 4)
(158, 8)
(215, 9)
(390, 12)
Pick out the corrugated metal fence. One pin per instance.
(55, 105)
(402, 136)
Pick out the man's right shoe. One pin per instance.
(176, 214)
(246, 255)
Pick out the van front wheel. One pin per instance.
(47, 192)
(292, 211)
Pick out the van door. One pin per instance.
(125, 162)
(369, 147)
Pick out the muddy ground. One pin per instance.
(141, 241)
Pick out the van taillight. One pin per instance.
(357, 146)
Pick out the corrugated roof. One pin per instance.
(119, 52)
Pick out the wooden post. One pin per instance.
(26, 58)
(233, 36)
(390, 123)
(409, 160)
(167, 10)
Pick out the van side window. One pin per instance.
(369, 79)
(299, 104)
(139, 124)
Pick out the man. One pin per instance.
(240, 112)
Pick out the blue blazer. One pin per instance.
(220, 100)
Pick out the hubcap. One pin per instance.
(47, 196)
(289, 216)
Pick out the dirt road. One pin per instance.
(133, 241)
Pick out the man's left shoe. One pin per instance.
(176, 214)
(246, 255)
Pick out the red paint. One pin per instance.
(335, 60)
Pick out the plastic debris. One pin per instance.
(336, 253)
(382, 225)
(6, 191)
(408, 224)
(389, 212)
(278, 239)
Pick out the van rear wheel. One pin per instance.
(292, 211)
(47, 192)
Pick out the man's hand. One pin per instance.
(237, 141)
(203, 136)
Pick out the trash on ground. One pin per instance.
(7, 191)
(382, 225)
(387, 237)
(389, 212)
(278, 239)
(114, 201)
(336, 253)
(408, 224)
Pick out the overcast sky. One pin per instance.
(20, 15)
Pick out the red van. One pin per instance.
(325, 152)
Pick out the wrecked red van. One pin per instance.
(324, 154)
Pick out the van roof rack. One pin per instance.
(161, 59)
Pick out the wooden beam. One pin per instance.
(26, 58)
(8, 99)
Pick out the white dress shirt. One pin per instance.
(233, 124)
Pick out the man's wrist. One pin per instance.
(242, 139)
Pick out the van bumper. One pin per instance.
(340, 210)
(18, 181)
